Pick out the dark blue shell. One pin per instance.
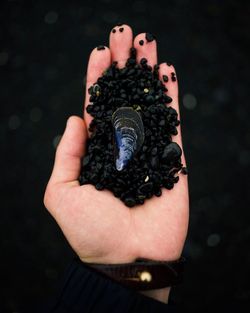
(129, 134)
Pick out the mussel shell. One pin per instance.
(129, 134)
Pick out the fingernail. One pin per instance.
(100, 48)
(165, 78)
(173, 77)
(150, 37)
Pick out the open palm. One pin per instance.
(99, 227)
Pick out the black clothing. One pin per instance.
(83, 289)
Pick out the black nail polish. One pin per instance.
(169, 63)
(100, 48)
(173, 77)
(149, 37)
(165, 78)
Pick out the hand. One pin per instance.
(98, 226)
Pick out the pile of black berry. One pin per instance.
(159, 159)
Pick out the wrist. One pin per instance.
(108, 259)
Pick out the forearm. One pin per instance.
(158, 294)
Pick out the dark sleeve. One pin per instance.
(83, 289)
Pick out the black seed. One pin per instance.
(131, 72)
(100, 48)
(154, 162)
(184, 171)
(83, 180)
(169, 185)
(167, 99)
(149, 37)
(154, 151)
(172, 111)
(149, 99)
(141, 42)
(132, 52)
(165, 78)
(143, 61)
(129, 201)
(89, 108)
(94, 178)
(113, 30)
(99, 186)
(121, 29)
(156, 67)
(157, 178)
(172, 152)
(86, 160)
(176, 179)
(131, 61)
(145, 188)
(141, 197)
(158, 193)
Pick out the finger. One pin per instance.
(146, 49)
(120, 42)
(99, 61)
(168, 76)
(69, 152)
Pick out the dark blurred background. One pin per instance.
(43, 58)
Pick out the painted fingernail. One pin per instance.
(141, 42)
(165, 78)
(120, 24)
(121, 29)
(173, 77)
(100, 48)
(169, 63)
(149, 37)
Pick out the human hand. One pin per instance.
(98, 226)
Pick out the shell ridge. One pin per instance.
(129, 134)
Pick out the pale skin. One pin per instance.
(98, 226)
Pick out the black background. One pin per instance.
(43, 58)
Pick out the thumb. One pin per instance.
(69, 152)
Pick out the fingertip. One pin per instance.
(98, 61)
(74, 121)
(145, 48)
(168, 70)
(120, 42)
(167, 67)
(119, 29)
